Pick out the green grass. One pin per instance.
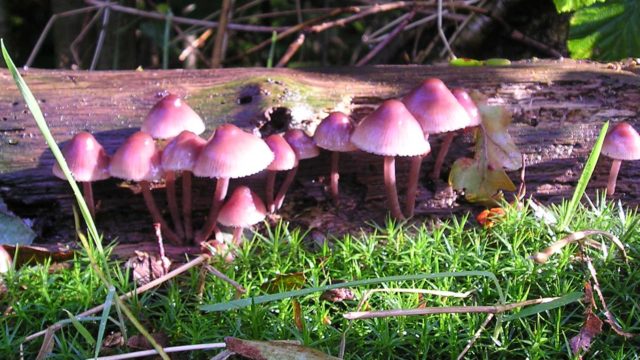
(39, 298)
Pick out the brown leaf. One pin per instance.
(113, 340)
(591, 328)
(40, 253)
(284, 282)
(139, 342)
(297, 315)
(146, 267)
(274, 350)
(480, 183)
(337, 295)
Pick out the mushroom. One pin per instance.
(438, 111)
(285, 159)
(244, 208)
(230, 153)
(305, 148)
(168, 118)
(87, 161)
(139, 160)
(334, 134)
(180, 155)
(391, 131)
(621, 143)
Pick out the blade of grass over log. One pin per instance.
(589, 166)
(237, 304)
(97, 258)
(559, 302)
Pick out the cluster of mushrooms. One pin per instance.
(395, 128)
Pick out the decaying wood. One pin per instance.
(558, 110)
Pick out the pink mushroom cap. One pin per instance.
(86, 158)
(467, 103)
(302, 144)
(232, 153)
(622, 143)
(244, 208)
(137, 159)
(169, 117)
(390, 130)
(285, 157)
(181, 153)
(435, 108)
(334, 133)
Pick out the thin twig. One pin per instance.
(225, 278)
(375, 9)
(475, 336)
(194, 45)
(441, 32)
(221, 30)
(291, 50)
(386, 41)
(542, 256)
(179, 270)
(81, 35)
(483, 309)
(101, 37)
(172, 349)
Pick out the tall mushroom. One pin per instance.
(305, 148)
(230, 153)
(167, 119)
(244, 208)
(87, 161)
(438, 111)
(621, 143)
(334, 134)
(391, 131)
(180, 154)
(285, 159)
(139, 160)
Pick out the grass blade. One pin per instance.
(532, 310)
(237, 304)
(103, 321)
(81, 329)
(272, 49)
(589, 166)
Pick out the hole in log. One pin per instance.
(278, 119)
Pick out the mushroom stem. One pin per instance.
(412, 186)
(87, 191)
(390, 185)
(172, 200)
(155, 213)
(237, 235)
(269, 188)
(335, 176)
(222, 185)
(613, 176)
(288, 180)
(444, 149)
(186, 204)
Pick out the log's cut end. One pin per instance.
(558, 108)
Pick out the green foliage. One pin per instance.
(605, 30)
(573, 5)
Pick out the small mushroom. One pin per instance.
(305, 148)
(138, 159)
(438, 111)
(334, 134)
(87, 161)
(391, 131)
(621, 143)
(180, 154)
(169, 117)
(243, 209)
(230, 153)
(285, 159)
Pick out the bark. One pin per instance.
(558, 109)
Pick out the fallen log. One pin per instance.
(558, 107)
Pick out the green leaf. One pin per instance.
(559, 302)
(480, 183)
(494, 145)
(573, 5)
(606, 31)
(13, 231)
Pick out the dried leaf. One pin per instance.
(146, 267)
(274, 350)
(337, 295)
(139, 342)
(297, 315)
(487, 218)
(480, 183)
(591, 328)
(284, 282)
(40, 253)
(113, 340)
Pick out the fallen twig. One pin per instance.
(291, 50)
(542, 256)
(475, 336)
(172, 349)
(386, 41)
(225, 278)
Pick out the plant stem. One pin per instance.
(412, 186)
(390, 185)
(155, 213)
(335, 176)
(222, 185)
(269, 188)
(172, 200)
(186, 204)
(613, 176)
(87, 191)
(284, 187)
(442, 153)
(237, 235)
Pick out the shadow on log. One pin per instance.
(558, 108)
